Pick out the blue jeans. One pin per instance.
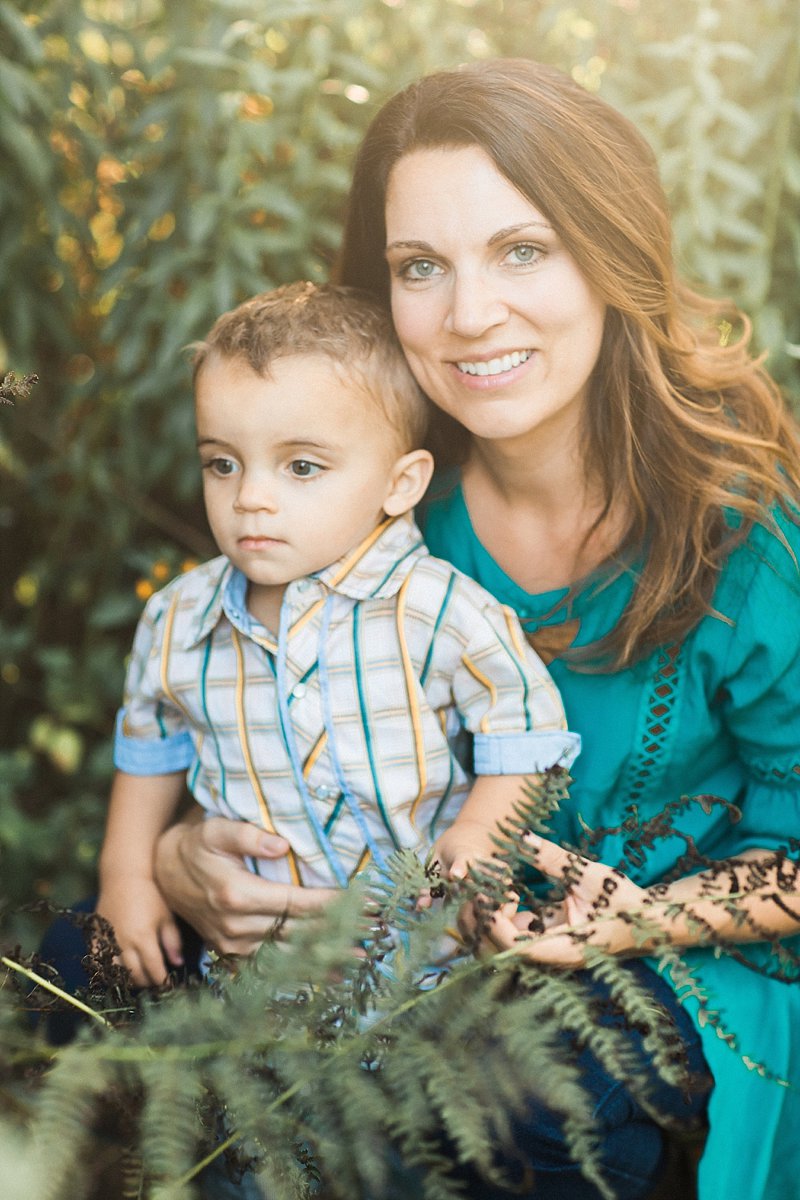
(632, 1145)
(633, 1148)
(216, 1184)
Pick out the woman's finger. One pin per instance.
(242, 839)
(550, 858)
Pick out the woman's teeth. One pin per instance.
(495, 366)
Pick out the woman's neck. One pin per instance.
(540, 476)
(533, 508)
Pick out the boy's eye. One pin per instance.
(221, 466)
(301, 468)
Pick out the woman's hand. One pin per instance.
(200, 868)
(593, 913)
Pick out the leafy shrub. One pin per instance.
(162, 161)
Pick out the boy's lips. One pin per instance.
(254, 541)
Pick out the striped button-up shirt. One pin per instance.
(345, 731)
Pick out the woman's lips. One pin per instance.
(497, 365)
(486, 373)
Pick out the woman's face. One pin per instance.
(498, 324)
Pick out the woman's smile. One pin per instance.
(484, 374)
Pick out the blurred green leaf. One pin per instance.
(159, 162)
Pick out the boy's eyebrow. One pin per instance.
(311, 443)
(212, 441)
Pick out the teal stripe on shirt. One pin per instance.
(439, 618)
(362, 701)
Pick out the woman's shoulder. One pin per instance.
(445, 523)
(441, 499)
(767, 561)
(754, 616)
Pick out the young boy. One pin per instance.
(315, 678)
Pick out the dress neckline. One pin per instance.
(507, 586)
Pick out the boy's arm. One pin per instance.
(140, 809)
(470, 837)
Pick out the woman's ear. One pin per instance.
(408, 482)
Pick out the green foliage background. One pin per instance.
(159, 162)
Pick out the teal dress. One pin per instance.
(718, 716)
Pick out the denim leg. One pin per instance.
(64, 946)
(216, 1184)
(632, 1145)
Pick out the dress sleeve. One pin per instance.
(508, 701)
(761, 691)
(151, 736)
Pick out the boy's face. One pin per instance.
(296, 466)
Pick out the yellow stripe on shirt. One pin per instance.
(316, 750)
(476, 673)
(362, 862)
(514, 631)
(166, 650)
(413, 699)
(255, 783)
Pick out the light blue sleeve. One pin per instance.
(146, 756)
(507, 698)
(151, 736)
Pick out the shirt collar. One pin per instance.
(380, 565)
(377, 567)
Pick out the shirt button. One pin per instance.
(299, 691)
(303, 585)
(324, 793)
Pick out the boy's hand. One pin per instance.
(465, 842)
(145, 929)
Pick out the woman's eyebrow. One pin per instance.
(426, 247)
(499, 236)
(511, 230)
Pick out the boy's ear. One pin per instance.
(408, 482)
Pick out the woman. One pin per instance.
(629, 483)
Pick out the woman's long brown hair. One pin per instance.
(683, 424)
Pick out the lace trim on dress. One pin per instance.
(656, 727)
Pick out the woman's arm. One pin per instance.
(200, 868)
(755, 897)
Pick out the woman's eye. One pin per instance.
(524, 254)
(420, 268)
(301, 468)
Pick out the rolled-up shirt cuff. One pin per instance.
(146, 756)
(525, 753)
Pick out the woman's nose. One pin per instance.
(474, 307)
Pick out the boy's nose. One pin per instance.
(256, 494)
